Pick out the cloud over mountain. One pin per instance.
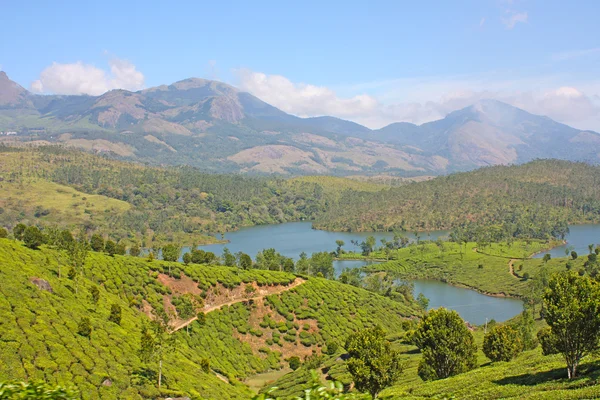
(80, 78)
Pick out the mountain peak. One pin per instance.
(11, 93)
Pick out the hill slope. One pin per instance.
(41, 307)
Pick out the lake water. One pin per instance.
(471, 305)
(292, 238)
(579, 237)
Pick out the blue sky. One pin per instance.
(372, 62)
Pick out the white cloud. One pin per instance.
(427, 99)
(303, 99)
(80, 78)
(513, 19)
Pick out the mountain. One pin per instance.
(219, 128)
(490, 132)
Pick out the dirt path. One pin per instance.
(511, 269)
(206, 310)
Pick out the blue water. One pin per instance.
(292, 238)
(579, 237)
(471, 305)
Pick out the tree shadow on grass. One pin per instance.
(589, 371)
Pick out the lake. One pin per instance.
(579, 237)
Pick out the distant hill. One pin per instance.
(215, 126)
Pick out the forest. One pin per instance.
(149, 206)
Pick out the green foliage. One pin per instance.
(332, 347)
(446, 343)
(35, 391)
(422, 301)
(115, 313)
(85, 327)
(572, 306)
(135, 250)
(94, 294)
(3, 233)
(205, 365)
(373, 363)
(110, 247)
(294, 362)
(97, 242)
(504, 201)
(548, 341)
(32, 237)
(19, 230)
(171, 252)
(502, 343)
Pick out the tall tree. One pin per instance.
(155, 343)
(373, 363)
(573, 313)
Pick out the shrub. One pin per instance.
(502, 343)
(294, 362)
(447, 345)
(32, 237)
(85, 327)
(3, 233)
(115, 314)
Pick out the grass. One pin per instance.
(62, 202)
(485, 269)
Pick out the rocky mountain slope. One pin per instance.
(217, 127)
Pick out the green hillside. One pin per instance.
(541, 192)
(40, 324)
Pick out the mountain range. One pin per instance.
(219, 128)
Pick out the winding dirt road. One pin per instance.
(206, 310)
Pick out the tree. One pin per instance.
(502, 343)
(373, 363)
(546, 258)
(228, 258)
(32, 237)
(19, 230)
(94, 294)
(332, 347)
(115, 314)
(574, 255)
(446, 343)
(77, 253)
(294, 362)
(548, 341)
(573, 314)
(3, 233)
(340, 244)
(155, 343)
(187, 258)
(135, 250)
(97, 242)
(171, 252)
(423, 301)
(110, 248)
(244, 260)
(85, 327)
(120, 249)
(288, 265)
(303, 264)
(322, 262)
